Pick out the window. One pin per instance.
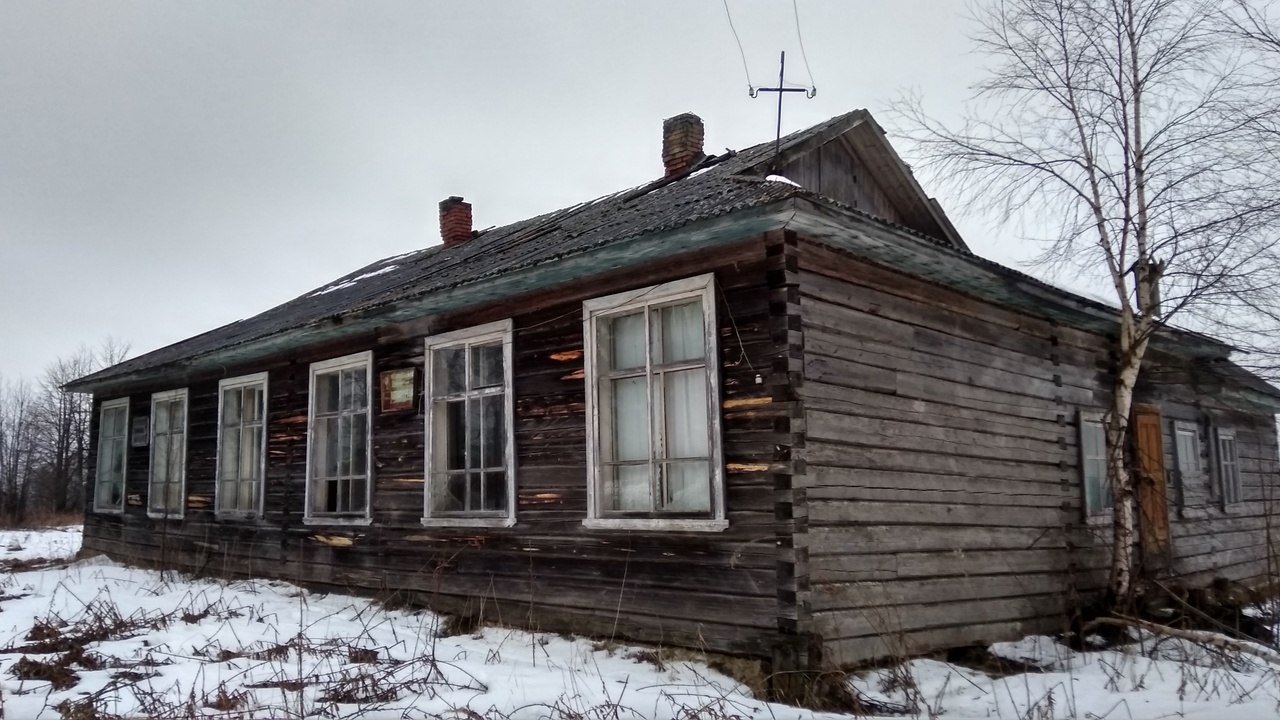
(653, 399)
(1093, 463)
(1186, 443)
(113, 444)
(338, 443)
(470, 454)
(1229, 467)
(166, 495)
(242, 412)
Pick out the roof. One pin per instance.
(721, 199)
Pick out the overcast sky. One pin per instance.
(169, 167)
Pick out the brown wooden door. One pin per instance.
(1153, 497)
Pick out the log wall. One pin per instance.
(944, 497)
(717, 591)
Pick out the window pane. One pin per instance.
(359, 444)
(358, 380)
(253, 404)
(177, 419)
(161, 417)
(231, 409)
(486, 365)
(686, 410)
(474, 425)
(475, 483)
(250, 455)
(160, 459)
(688, 487)
(326, 393)
(1188, 453)
(631, 419)
(227, 495)
(346, 381)
(495, 491)
(627, 341)
(230, 453)
(356, 496)
(344, 446)
(173, 498)
(248, 501)
(176, 459)
(492, 441)
(449, 373)
(630, 489)
(682, 333)
(327, 444)
(449, 493)
(450, 435)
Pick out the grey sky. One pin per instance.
(169, 167)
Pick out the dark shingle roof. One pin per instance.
(718, 186)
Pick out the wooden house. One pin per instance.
(768, 405)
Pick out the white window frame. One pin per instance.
(701, 287)
(234, 383)
(341, 363)
(1098, 419)
(124, 460)
(1196, 472)
(479, 335)
(1235, 494)
(168, 396)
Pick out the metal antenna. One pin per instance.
(808, 92)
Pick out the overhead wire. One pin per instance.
(800, 37)
(750, 86)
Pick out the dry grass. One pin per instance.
(44, 519)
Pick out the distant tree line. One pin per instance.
(44, 437)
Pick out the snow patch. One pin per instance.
(781, 179)
(352, 281)
(48, 543)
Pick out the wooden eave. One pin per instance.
(813, 217)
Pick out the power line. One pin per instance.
(741, 52)
(796, 11)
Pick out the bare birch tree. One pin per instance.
(1122, 130)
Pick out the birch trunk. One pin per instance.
(1124, 525)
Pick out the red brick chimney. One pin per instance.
(455, 221)
(681, 143)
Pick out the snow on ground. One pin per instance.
(136, 643)
(48, 543)
(1150, 678)
(168, 646)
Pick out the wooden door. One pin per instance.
(1152, 493)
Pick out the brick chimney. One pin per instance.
(455, 221)
(681, 143)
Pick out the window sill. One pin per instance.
(237, 517)
(337, 520)
(108, 511)
(1100, 518)
(658, 524)
(481, 522)
(164, 516)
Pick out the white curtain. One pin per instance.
(682, 332)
